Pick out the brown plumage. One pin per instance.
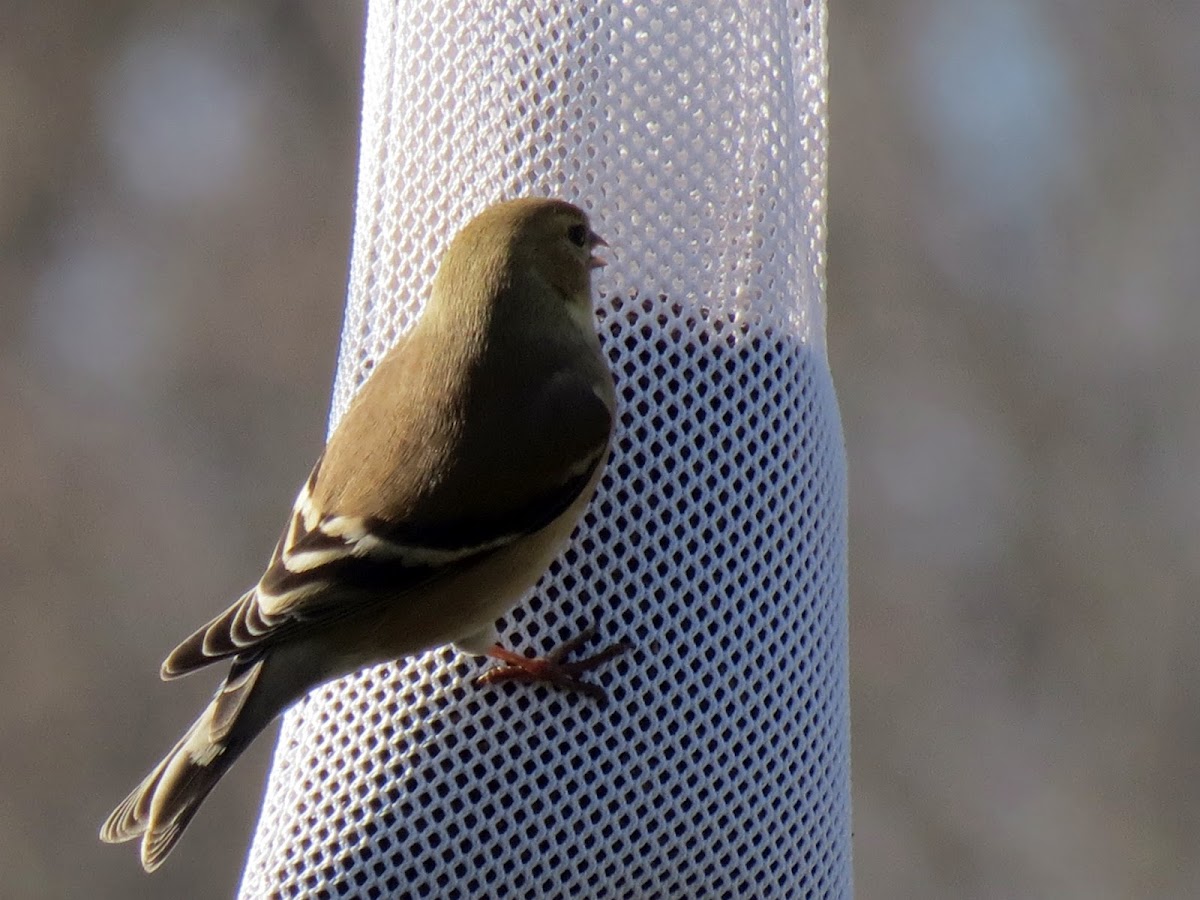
(444, 493)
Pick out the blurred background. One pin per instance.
(1014, 250)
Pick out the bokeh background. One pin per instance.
(1014, 326)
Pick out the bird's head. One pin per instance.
(555, 239)
(550, 240)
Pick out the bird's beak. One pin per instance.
(594, 261)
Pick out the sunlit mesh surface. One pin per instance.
(695, 134)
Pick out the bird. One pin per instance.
(456, 475)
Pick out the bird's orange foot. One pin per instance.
(552, 668)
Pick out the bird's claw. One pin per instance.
(552, 668)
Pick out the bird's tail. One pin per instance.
(160, 808)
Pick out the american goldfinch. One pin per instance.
(452, 481)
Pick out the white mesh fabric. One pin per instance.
(695, 134)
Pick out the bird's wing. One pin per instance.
(330, 565)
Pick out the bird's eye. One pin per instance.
(577, 235)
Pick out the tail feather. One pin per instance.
(132, 815)
(160, 808)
